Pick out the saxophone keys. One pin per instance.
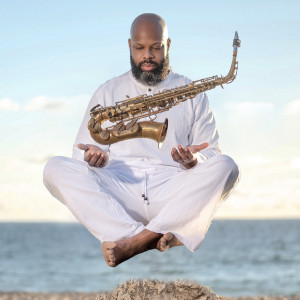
(130, 124)
(97, 127)
(104, 134)
(133, 127)
(111, 113)
(91, 123)
(162, 103)
(119, 127)
(94, 126)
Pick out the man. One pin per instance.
(131, 195)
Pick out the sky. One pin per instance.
(54, 55)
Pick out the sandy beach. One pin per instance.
(142, 290)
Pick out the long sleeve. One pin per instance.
(83, 135)
(204, 130)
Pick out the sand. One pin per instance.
(95, 296)
(141, 290)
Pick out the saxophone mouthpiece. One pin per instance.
(236, 41)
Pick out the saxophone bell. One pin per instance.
(147, 129)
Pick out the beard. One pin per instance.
(150, 77)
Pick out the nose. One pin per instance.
(148, 54)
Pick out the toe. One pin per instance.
(112, 258)
(111, 264)
(163, 244)
(168, 236)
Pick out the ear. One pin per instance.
(129, 43)
(168, 43)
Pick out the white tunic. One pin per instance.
(190, 123)
(142, 187)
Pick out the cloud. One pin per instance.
(43, 103)
(269, 187)
(292, 108)
(250, 108)
(295, 163)
(8, 105)
(59, 104)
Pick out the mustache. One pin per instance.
(149, 61)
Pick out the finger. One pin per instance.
(177, 156)
(105, 160)
(197, 148)
(185, 155)
(93, 159)
(88, 155)
(188, 153)
(83, 147)
(182, 153)
(173, 154)
(100, 161)
(103, 163)
(202, 146)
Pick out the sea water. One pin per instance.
(249, 257)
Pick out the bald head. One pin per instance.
(149, 23)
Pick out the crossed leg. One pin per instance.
(71, 182)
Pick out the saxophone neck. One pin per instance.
(209, 83)
(236, 43)
(234, 64)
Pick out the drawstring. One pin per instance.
(146, 201)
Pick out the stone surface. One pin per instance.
(159, 290)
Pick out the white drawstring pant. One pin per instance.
(124, 198)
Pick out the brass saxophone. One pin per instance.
(126, 113)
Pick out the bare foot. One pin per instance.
(168, 240)
(116, 252)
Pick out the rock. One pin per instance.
(159, 290)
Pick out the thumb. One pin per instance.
(83, 147)
(197, 148)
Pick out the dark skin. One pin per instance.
(149, 40)
(94, 155)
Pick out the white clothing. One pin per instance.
(108, 201)
(190, 122)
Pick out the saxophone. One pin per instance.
(126, 113)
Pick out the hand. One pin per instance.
(185, 155)
(94, 155)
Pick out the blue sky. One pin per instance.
(54, 54)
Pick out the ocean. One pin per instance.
(237, 258)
